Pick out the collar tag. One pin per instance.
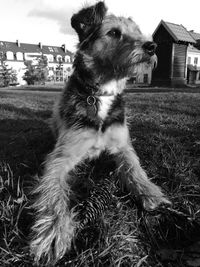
(91, 100)
(91, 106)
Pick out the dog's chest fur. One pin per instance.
(105, 104)
(109, 91)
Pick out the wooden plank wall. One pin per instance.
(179, 62)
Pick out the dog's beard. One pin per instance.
(130, 61)
(139, 56)
(139, 61)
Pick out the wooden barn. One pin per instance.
(173, 41)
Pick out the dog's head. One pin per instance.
(109, 44)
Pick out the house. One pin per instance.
(142, 78)
(16, 53)
(193, 60)
(178, 55)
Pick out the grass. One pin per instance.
(165, 131)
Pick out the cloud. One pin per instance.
(61, 16)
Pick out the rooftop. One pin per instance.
(33, 48)
(179, 32)
(195, 35)
(193, 49)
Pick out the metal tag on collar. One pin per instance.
(91, 109)
(91, 100)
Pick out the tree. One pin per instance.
(36, 72)
(29, 75)
(7, 75)
(41, 69)
(13, 76)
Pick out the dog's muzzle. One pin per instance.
(149, 48)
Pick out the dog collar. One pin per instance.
(95, 91)
(93, 99)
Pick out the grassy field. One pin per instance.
(165, 131)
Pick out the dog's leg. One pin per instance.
(130, 172)
(54, 226)
(136, 181)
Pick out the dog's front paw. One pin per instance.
(52, 239)
(153, 202)
(153, 198)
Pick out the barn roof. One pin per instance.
(178, 32)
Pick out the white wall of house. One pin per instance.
(146, 74)
(193, 56)
(143, 74)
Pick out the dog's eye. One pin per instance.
(115, 33)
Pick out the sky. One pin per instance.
(48, 21)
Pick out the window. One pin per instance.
(56, 49)
(50, 57)
(19, 56)
(145, 78)
(50, 49)
(195, 60)
(189, 60)
(9, 55)
(59, 58)
(67, 59)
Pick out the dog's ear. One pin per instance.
(85, 20)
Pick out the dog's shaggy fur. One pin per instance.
(90, 119)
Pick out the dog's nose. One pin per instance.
(149, 48)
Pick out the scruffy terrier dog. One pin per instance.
(90, 119)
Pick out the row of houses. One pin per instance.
(16, 53)
(178, 54)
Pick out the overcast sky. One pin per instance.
(48, 21)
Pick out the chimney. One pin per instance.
(18, 43)
(191, 30)
(64, 48)
(40, 45)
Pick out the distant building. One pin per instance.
(142, 78)
(15, 53)
(178, 54)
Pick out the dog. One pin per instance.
(90, 119)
